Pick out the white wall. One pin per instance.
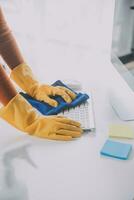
(43, 26)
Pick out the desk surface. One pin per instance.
(75, 170)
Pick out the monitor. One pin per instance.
(122, 56)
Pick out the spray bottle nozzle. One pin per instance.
(18, 151)
(22, 151)
(11, 187)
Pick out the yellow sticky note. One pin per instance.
(121, 131)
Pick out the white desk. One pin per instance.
(75, 170)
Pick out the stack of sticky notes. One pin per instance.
(116, 149)
(121, 131)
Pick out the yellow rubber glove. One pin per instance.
(20, 114)
(23, 76)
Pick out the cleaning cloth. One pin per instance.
(46, 109)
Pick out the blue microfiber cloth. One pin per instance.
(46, 109)
(116, 149)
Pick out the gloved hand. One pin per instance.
(20, 114)
(23, 76)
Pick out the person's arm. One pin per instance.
(22, 73)
(16, 110)
(9, 49)
(7, 89)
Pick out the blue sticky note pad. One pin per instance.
(116, 149)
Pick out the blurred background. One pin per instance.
(123, 33)
(57, 35)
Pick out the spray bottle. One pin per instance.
(10, 187)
